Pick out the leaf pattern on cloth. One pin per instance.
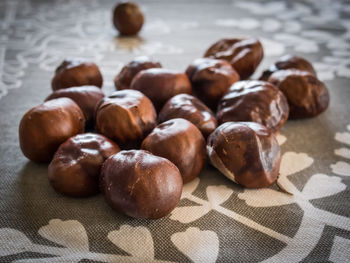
(340, 250)
(189, 188)
(218, 194)
(70, 234)
(13, 241)
(292, 163)
(321, 185)
(199, 246)
(136, 241)
(188, 214)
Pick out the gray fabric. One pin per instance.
(223, 222)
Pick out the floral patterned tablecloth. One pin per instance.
(216, 220)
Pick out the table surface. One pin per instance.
(216, 220)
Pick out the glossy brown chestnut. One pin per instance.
(85, 96)
(246, 153)
(289, 62)
(140, 184)
(76, 72)
(192, 109)
(211, 79)
(180, 142)
(129, 71)
(244, 54)
(127, 18)
(126, 117)
(160, 85)
(43, 128)
(75, 167)
(255, 101)
(307, 96)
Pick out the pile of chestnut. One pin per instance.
(154, 133)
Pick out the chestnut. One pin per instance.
(307, 96)
(140, 184)
(160, 85)
(180, 142)
(75, 72)
(288, 62)
(246, 153)
(255, 101)
(244, 54)
(129, 71)
(192, 109)
(211, 79)
(127, 18)
(43, 128)
(75, 167)
(85, 96)
(126, 117)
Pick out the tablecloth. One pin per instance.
(216, 220)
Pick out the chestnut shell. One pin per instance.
(246, 153)
(180, 142)
(211, 79)
(126, 116)
(244, 54)
(160, 84)
(192, 109)
(255, 101)
(129, 71)
(74, 72)
(128, 18)
(43, 128)
(75, 167)
(140, 184)
(307, 96)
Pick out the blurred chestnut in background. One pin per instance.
(129, 71)
(307, 96)
(75, 167)
(211, 79)
(43, 128)
(140, 184)
(159, 85)
(192, 109)
(180, 142)
(244, 54)
(75, 72)
(255, 101)
(289, 62)
(86, 97)
(127, 18)
(126, 116)
(246, 153)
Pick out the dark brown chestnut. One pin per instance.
(129, 71)
(288, 62)
(126, 117)
(43, 128)
(180, 142)
(127, 18)
(140, 184)
(160, 85)
(307, 96)
(85, 96)
(192, 109)
(211, 79)
(246, 153)
(74, 72)
(244, 54)
(75, 167)
(255, 101)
